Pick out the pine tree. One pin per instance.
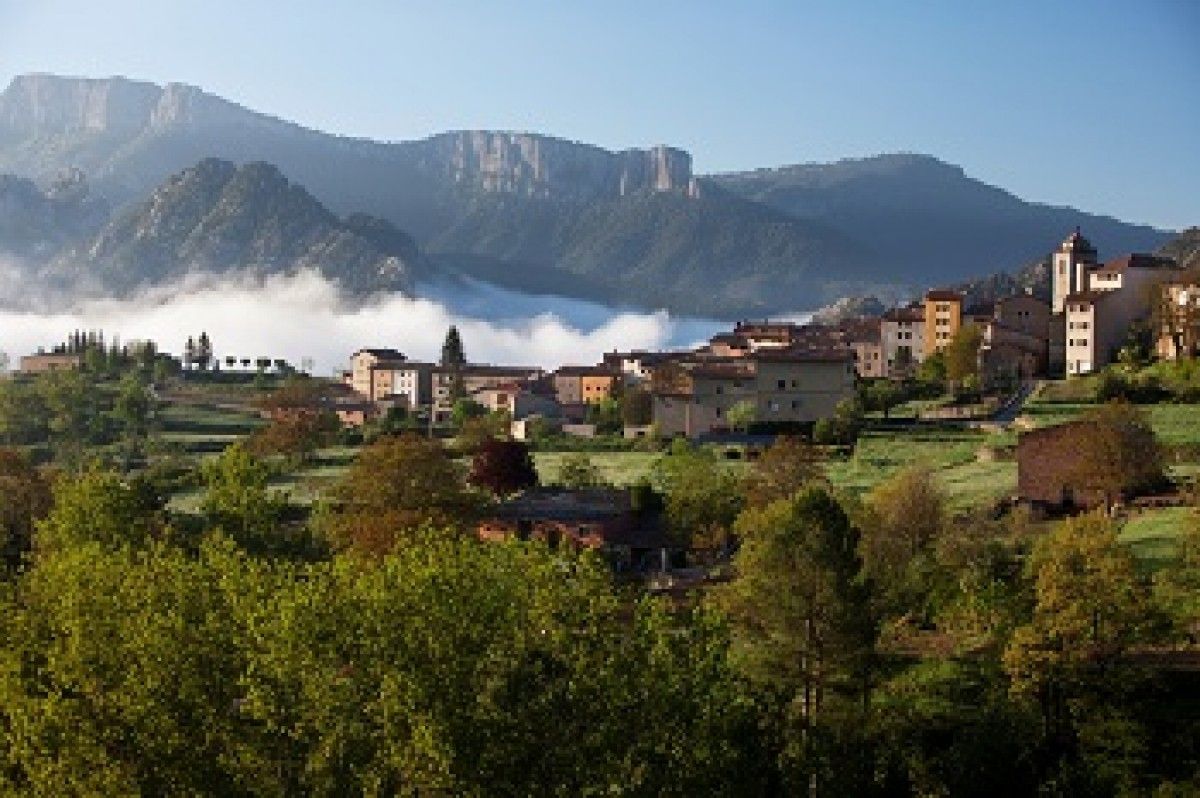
(204, 355)
(452, 349)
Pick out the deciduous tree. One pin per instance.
(1116, 452)
(788, 465)
(24, 500)
(102, 507)
(800, 611)
(395, 486)
(637, 407)
(238, 501)
(578, 471)
(703, 497)
(742, 415)
(503, 467)
(962, 355)
(1091, 606)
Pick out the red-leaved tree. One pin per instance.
(503, 467)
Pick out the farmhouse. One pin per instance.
(43, 362)
(612, 520)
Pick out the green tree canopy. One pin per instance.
(800, 613)
(98, 506)
(238, 501)
(395, 486)
(453, 353)
(962, 355)
(578, 471)
(788, 465)
(703, 496)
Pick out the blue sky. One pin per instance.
(1095, 105)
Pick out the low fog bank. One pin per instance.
(304, 316)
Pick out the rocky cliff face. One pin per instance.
(48, 105)
(36, 223)
(531, 165)
(36, 106)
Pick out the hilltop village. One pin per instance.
(784, 377)
(980, 521)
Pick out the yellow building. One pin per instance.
(585, 384)
(943, 318)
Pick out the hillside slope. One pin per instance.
(218, 218)
(1184, 248)
(930, 217)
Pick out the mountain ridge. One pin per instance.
(635, 226)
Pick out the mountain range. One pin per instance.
(185, 178)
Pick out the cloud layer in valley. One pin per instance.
(303, 316)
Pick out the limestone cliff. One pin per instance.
(532, 165)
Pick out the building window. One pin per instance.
(781, 384)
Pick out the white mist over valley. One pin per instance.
(305, 316)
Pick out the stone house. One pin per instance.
(789, 386)
(1120, 294)
(1094, 305)
(355, 413)
(864, 337)
(371, 372)
(636, 367)
(475, 377)
(575, 385)
(606, 519)
(1015, 340)
(1047, 469)
(1176, 319)
(518, 400)
(403, 384)
(902, 333)
(44, 362)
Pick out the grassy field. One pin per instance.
(1174, 424)
(618, 468)
(952, 454)
(1152, 534)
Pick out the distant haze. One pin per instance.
(303, 316)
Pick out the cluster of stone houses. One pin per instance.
(1014, 336)
(788, 373)
(1092, 309)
